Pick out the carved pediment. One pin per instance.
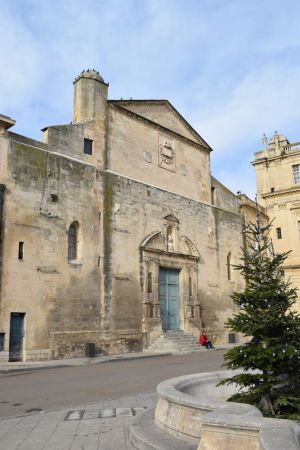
(171, 218)
(156, 242)
(192, 249)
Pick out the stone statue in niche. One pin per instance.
(170, 243)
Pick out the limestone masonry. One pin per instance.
(113, 230)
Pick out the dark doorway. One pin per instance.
(16, 336)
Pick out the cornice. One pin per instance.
(291, 266)
(282, 192)
(266, 159)
(166, 253)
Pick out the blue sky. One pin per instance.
(231, 68)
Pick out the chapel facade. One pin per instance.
(113, 231)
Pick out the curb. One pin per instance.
(89, 362)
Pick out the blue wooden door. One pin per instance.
(16, 336)
(169, 298)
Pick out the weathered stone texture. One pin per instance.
(130, 138)
(56, 295)
(140, 202)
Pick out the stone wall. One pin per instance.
(45, 194)
(138, 210)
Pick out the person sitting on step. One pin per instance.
(204, 341)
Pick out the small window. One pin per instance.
(190, 287)
(2, 336)
(229, 266)
(272, 189)
(299, 229)
(213, 189)
(278, 233)
(21, 250)
(72, 241)
(296, 173)
(88, 146)
(149, 285)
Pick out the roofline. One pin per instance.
(157, 125)
(185, 122)
(6, 122)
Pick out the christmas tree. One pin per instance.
(265, 313)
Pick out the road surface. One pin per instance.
(55, 388)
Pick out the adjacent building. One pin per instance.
(277, 169)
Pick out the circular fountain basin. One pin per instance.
(194, 409)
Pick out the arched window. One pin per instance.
(73, 241)
(229, 266)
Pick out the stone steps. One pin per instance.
(176, 342)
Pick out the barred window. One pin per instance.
(72, 241)
(296, 173)
(278, 233)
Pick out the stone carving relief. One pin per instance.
(166, 153)
(191, 247)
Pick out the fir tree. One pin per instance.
(265, 313)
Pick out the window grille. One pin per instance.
(72, 242)
(296, 173)
(278, 233)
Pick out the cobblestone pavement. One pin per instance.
(102, 425)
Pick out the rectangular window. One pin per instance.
(296, 173)
(278, 233)
(21, 250)
(2, 335)
(213, 195)
(88, 146)
(149, 287)
(299, 229)
(190, 287)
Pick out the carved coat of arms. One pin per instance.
(166, 153)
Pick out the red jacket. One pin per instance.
(203, 339)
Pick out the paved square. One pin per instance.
(101, 426)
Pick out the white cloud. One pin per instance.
(265, 100)
(21, 71)
(230, 67)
